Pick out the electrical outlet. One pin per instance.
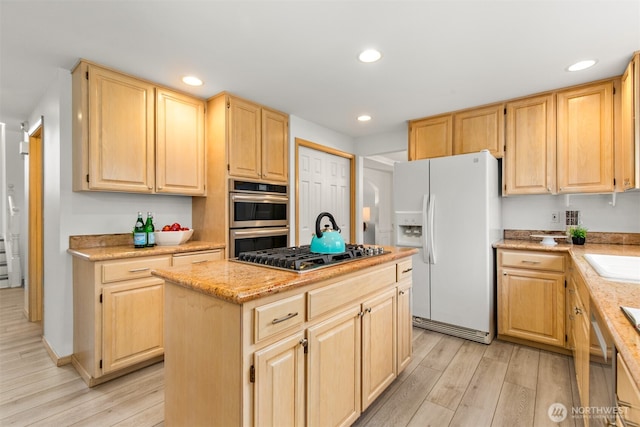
(555, 217)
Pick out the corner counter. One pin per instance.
(606, 295)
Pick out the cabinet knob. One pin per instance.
(578, 310)
(504, 273)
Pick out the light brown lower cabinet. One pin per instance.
(579, 333)
(531, 296)
(118, 312)
(628, 395)
(316, 355)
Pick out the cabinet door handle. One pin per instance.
(401, 292)
(283, 318)
(526, 261)
(367, 310)
(407, 270)
(138, 270)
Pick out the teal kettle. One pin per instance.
(327, 241)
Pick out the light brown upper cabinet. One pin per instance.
(120, 145)
(257, 141)
(180, 153)
(431, 137)
(479, 129)
(585, 139)
(530, 161)
(627, 151)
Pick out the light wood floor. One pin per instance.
(450, 382)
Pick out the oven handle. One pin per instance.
(259, 232)
(258, 198)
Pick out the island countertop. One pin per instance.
(238, 282)
(606, 295)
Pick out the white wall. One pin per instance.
(67, 213)
(596, 212)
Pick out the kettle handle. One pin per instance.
(333, 223)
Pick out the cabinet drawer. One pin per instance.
(325, 299)
(532, 260)
(278, 316)
(116, 271)
(403, 269)
(628, 393)
(197, 257)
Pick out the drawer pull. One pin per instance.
(283, 318)
(200, 261)
(407, 270)
(526, 261)
(138, 270)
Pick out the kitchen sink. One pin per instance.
(616, 267)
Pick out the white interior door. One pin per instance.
(324, 186)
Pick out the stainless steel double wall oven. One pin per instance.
(258, 216)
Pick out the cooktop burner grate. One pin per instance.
(300, 258)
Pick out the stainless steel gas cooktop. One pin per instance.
(300, 259)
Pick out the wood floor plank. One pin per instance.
(499, 350)
(478, 403)
(515, 406)
(443, 352)
(554, 386)
(454, 381)
(405, 401)
(151, 416)
(431, 415)
(523, 367)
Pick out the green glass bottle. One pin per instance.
(149, 229)
(139, 234)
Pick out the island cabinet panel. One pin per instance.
(333, 370)
(279, 383)
(585, 139)
(405, 325)
(379, 327)
(628, 394)
(431, 137)
(530, 161)
(531, 296)
(289, 358)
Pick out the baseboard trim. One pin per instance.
(59, 361)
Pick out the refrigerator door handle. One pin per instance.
(432, 244)
(425, 247)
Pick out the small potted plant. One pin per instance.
(578, 234)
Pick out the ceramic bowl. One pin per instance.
(172, 238)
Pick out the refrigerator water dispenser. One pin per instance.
(409, 229)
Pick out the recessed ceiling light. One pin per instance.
(582, 65)
(364, 118)
(192, 81)
(369, 55)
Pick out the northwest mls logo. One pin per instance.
(557, 412)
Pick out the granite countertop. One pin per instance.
(238, 282)
(606, 295)
(106, 253)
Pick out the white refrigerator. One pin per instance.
(449, 207)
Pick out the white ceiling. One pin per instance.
(300, 56)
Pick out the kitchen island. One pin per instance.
(253, 345)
